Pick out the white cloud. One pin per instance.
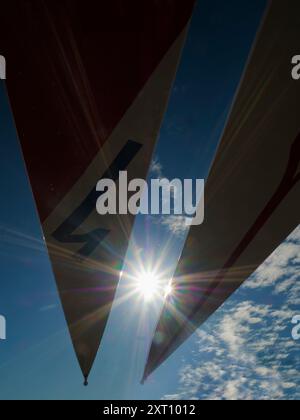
(245, 351)
(156, 168)
(175, 224)
(279, 269)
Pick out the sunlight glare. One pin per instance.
(148, 285)
(168, 290)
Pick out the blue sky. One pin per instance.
(243, 351)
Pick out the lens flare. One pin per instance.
(148, 285)
(168, 290)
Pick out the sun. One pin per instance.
(151, 287)
(148, 285)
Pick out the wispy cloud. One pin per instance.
(246, 351)
(156, 168)
(279, 269)
(175, 224)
